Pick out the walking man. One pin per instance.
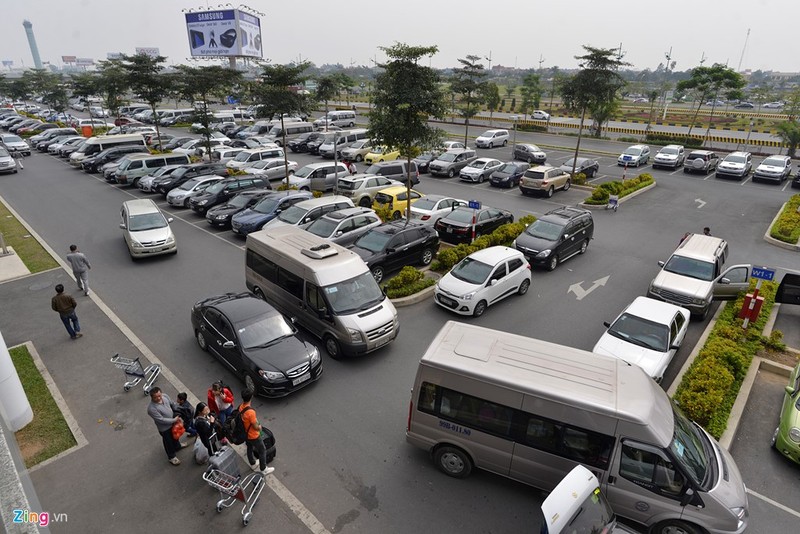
(80, 268)
(255, 444)
(65, 305)
(707, 231)
(161, 409)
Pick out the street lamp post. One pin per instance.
(514, 118)
(747, 140)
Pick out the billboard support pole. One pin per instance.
(232, 62)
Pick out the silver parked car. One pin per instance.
(180, 195)
(343, 227)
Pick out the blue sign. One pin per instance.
(232, 100)
(475, 204)
(762, 273)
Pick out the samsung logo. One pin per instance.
(213, 15)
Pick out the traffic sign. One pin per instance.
(475, 204)
(232, 100)
(763, 273)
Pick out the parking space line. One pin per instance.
(748, 179)
(776, 504)
(676, 171)
(788, 183)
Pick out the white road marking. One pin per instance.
(776, 504)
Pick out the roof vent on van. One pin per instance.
(320, 251)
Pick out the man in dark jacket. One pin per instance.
(65, 305)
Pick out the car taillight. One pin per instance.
(425, 217)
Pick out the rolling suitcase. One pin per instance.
(269, 443)
(224, 460)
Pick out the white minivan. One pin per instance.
(146, 230)
(328, 289)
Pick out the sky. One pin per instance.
(513, 33)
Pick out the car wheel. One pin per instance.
(530, 160)
(186, 203)
(377, 273)
(479, 309)
(380, 160)
(359, 158)
(249, 383)
(201, 340)
(550, 192)
(524, 286)
(567, 184)
(480, 179)
(365, 202)
(396, 215)
(675, 526)
(258, 293)
(332, 347)
(505, 142)
(491, 145)
(451, 173)
(427, 256)
(452, 462)
(553, 263)
(305, 188)
(584, 246)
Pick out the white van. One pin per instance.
(133, 167)
(94, 145)
(334, 142)
(306, 212)
(532, 410)
(291, 129)
(246, 158)
(327, 288)
(341, 118)
(145, 229)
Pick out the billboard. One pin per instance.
(227, 32)
(148, 51)
(84, 61)
(68, 59)
(114, 55)
(8, 63)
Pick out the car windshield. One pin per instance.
(472, 271)
(189, 144)
(267, 205)
(669, 151)
(323, 227)
(148, 221)
(349, 185)
(736, 159)
(775, 162)
(190, 184)
(293, 214)
(701, 270)
(373, 241)
(425, 204)
(354, 295)
(687, 446)
(478, 164)
(304, 172)
(261, 164)
(216, 188)
(425, 156)
(633, 151)
(12, 139)
(4, 153)
(642, 332)
(544, 230)
(242, 156)
(239, 201)
(447, 156)
(264, 331)
(508, 168)
(462, 216)
(570, 162)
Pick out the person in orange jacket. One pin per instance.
(220, 401)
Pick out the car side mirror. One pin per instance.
(724, 281)
(606, 324)
(390, 250)
(293, 319)
(789, 390)
(674, 347)
(228, 345)
(492, 282)
(122, 225)
(661, 263)
(338, 233)
(169, 220)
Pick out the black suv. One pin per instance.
(221, 192)
(167, 183)
(93, 164)
(221, 215)
(300, 143)
(556, 236)
(456, 227)
(393, 245)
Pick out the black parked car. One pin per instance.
(456, 226)
(176, 142)
(393, 245)
(556, 236)
(93, 164)
(423, 160)
(165, 184)
(221, 192)
(222, 214)
(257, 343)
(508, 175)
(530, 153)
(300, 143)
(587, 166)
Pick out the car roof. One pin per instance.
(395, 189)
(242, 307)
(671, 146)
(700, 152)
(564, 214)
(393, 227)
(340, 215)
(357, 177)
(496, 254)
(654, 310)
(739, 153)
(141, 205)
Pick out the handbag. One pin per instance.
(200, 452)
(177, 429)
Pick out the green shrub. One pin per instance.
(601, 192)
(628, 139)
(235, 172)
(504, 235)
(284, 187)
(707, 385)
(665, 138)
(407, 282)
(531, 128)
(384, 212)
(787, 226)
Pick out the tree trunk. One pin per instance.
(286, 156)
(578, 145)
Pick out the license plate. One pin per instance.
(302, 379)
(447, 301)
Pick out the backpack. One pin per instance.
(234, 427)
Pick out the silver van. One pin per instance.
(693, 276)
(247, 158)
(334, 142)
(307, 211)
(532, 410)
(342, 118)
(451, 162)
(291, 129)
(145, 229)
(133, 167)
(327, 288)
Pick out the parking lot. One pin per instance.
(358, 408)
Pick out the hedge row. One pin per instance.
(601, 192)
(407, 282)
(504, 236)
(710, 386)
(673, 139)
(787, 227)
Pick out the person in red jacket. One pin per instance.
(220, 401)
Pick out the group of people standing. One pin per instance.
(63, 302)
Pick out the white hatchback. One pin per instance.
(647, 333)
(483, 278)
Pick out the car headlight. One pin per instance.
(543, 254)
(468, 296)
(355, 335)
(170, 240)
(655, 290)
(270, 376)
(514, 244)
(136, 244)
(203, 202)
(794, 434)
(314, 356)
(220, 217)
(699, 302)
(740, 512)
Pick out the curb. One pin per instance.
(420, 295)
(621, 200)
(776, 242)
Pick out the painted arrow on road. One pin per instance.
(702, 203)
(580, 292)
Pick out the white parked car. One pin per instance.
(482, 279)
(198, 146)
(480, 169)
(271, 169)
(492, 138)
(97, 111)
(450, 145)
(773, 105)
(539, 115)
(431, 208)
(180, 195)
(634, 156)
(647, 333)
(671, 156)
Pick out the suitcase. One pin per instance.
(269, 443)
(224, 460)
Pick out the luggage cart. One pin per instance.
(134, 373)
(232, 488)
(613, 202)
